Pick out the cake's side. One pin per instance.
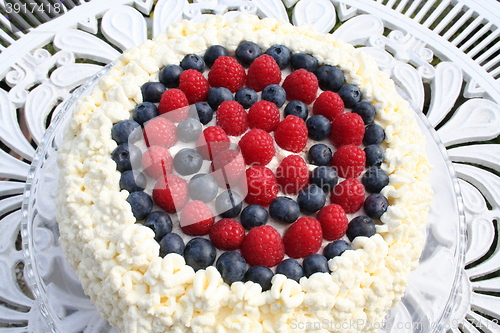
(117, 260)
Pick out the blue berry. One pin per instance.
(315, 263)
(144, 112)
(360, 226)
(350, 94)
(187, 161)
(217, 95)
(203, 112)
(374, 135)
(228, 204)
(261, 275)
(171, 243)
(374, 155)
(274, 93)
(318, 127)
(169, 76)
(375, 205)
(140, 203)
(336, 248)
(231, 266)
(247, 52)
(281, 55)
(366, 111)
(199, 253)
(304, 60)
(152, 91)
(212, 53)
(203, 187)
(193, 61)
(284, 209)
(126, 131)
(291, 269)
(253, 216)
(320, 154)
(132, 180)
(311, 199)
(374, 179)
(330, 78)
(325, 177)
(160, 222)
(246, 97)
(126, 156)
(297, 108)
(189, 130)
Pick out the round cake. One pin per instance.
(243, 175)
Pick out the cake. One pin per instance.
(316, 231)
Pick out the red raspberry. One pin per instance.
(303, 237)
(171, 193)
(257, 147)
(228, 167)
(227, 234)
(302, 85)
(349, 194)
(157, 161)
(291, 134)
(328, 104)
(196, 218)
(349, 161)
(228, 73)
(264, 115)
(232, 118)
(194, 85)
(262, 72)
(333, 221)
(292, 174)
(174, 104)
(347, 128)
(160, 131)
(263, 246)
(212, 141)
(262, 185)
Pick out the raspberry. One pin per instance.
(349, 194)
(263, 246)
(232, 118)
(303, 237)
(262, 72)
(174, 104)
(301, 85)
(349, 161)
(196, 218)
(262, 185)
(328, 104)
(292, 174)
(228, 73)
(333, 221)
(291, 134)
(257, 147)
(170, 193)
(194, 85)
(212, 141)
(347, 128)
(227, 234)
(160, 131)
(264, 115)
(228, 167)
(157, 161)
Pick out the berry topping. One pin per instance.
(366, 111)
(333, 221)
(291, 134)
(281, 55)
(291, 269)
(152, 91)
(263, 72)
(257, 147)
(325, 177)
(228, 204)
(160, 131)
(171, 243)
(330, 77)
(228, 73)
(318, 127)
(247, 52)
(375, 179)
(228, 167)
(301, 85)
(292, 174)
(262, 185)
(284, 209)
(264, 115)
(232, 118)
(275, 94)
(213, 53)
(170, 193)
(350, 94)
(374, 155)
(297, 108)
(231, 266)
(347, 128)
(126, 157)
(349, 194)
(132, 180)
(336, 248)
(160, 222)
(303, 237)
(349, 161)
(194, 85)
(203, 112)
(212, 141)
(227, 234)
(360, 226)
(253, 216)
(189, 130)
(193, 61)
(140, 204)
(199, 253)
(261, 275)
(375, 205)
(319, 154)
(246, 97)
(315, 263)
(196, 218)
(187, 161)
(175, 103)
(305, 61)
(157, 161)
(311, 199)
(127, 131)
(169, 75)
(374, 135)
(203, 187)
(263, 246)
(144, 112)
(328, 104)
(217, 95)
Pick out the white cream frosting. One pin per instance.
(117, 260)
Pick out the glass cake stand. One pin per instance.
(434, 287)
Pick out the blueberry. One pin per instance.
(199, 253)
(374, 155)
(189, 130)
(374, 135)
(281, 55)
(311, 199)
(212, 53)
(360, 226)
(304, 60)
(169, 76)
(152, 91)
(187, 161)
(318, 127)
(320, 154)
(203, 187)
(204, 112)
(171, 243)
(366, 111)
(247, 52)
(330, 78)
(297, 108)
(284, 209)
(193, 61)
(253, 216)
(246, 97)
(144, 112)
(350, 94)
(217, 95)
(275, 94)
(375, 205)
(315, 263)
(291, 269)
(374, 179)
(126, 156)
(160, 222)
(231, 266)
(261, 275)
(141, 204)
(336, 248)
(228, 204)
(132, 180)
(325, 177)
(126, 131)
